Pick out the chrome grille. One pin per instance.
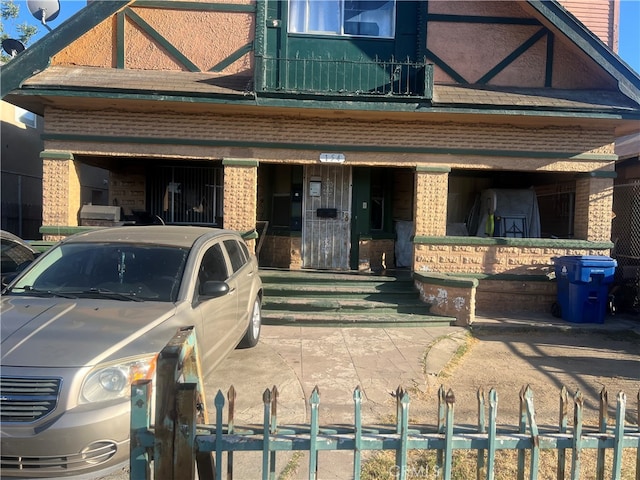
(94, 454)
(27, 399)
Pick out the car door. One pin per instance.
(242, 273)
(218, 314)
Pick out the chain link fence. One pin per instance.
(625, 233)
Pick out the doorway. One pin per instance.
(326, 232)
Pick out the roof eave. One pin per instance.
(588, 42)
(37, 58)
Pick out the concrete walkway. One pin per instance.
(336, 360)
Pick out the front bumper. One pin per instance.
(79, 441)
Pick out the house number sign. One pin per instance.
(332, 158)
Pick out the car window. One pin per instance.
(236, 255)
(14, 255)
(149, 272)
(213, 266)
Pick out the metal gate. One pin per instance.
(326, 228)
(625, 234)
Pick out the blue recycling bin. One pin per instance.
(583, 287)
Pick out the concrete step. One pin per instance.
(337, 298)
(280, 317)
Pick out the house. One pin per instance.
(470, 142)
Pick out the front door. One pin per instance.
(327, 217)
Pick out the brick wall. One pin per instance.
(594, 209)
(490, 259)
(60, 192)
(240, 180)
(127, 190)
(431, 206)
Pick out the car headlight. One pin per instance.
(113, 381)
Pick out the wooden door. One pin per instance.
(327, 217)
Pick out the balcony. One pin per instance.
(373, 80)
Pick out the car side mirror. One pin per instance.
(213, 289)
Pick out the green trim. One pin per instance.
(597, 174)
(514, 242)
(65, 230)
(239, 162)
(432, 169)
(321, 146)
(548, 71)
(41, 245)
(439, 17)
(197, 6)
(588, 42)
(239, 53)
(50, 155)
(512, 56)
(120, 40)
(445, 67)
(445, 280)
(250, 235)
(164, 43)
(36, 58)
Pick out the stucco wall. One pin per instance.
(204, 37)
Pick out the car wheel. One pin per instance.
(252, 334)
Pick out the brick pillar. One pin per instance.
(430, 213)
(240, 190)
(60, 189)
(594, 207)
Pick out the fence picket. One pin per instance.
(564, 421)
(522, 428)
(533, 428)
(357, 450)
(491, 448)
(313, 440)
(219, 404)
(577, 435)
(621, 410)
(178, 443)
(603, 418)
(482, 428)
(266, 399)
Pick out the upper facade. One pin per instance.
(423, 57)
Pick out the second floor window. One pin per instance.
(375, 18)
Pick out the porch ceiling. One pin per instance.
(99, 88)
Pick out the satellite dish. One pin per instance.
(12, 46)
(44, 10)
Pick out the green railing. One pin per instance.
(182, 438)
(384, 80)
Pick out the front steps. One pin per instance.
(328, 298)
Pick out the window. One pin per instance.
(235, 254)
(26, 117)
(214, 266)
(374, 18)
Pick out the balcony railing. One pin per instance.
(313, 75)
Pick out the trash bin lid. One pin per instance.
(599, 261)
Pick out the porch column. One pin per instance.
(594, 207)
(430, 212)
(240, 189)
(61, 200)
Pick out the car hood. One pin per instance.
(55, 332)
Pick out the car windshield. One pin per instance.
(106, 270)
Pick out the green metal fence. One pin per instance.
(182, 439)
